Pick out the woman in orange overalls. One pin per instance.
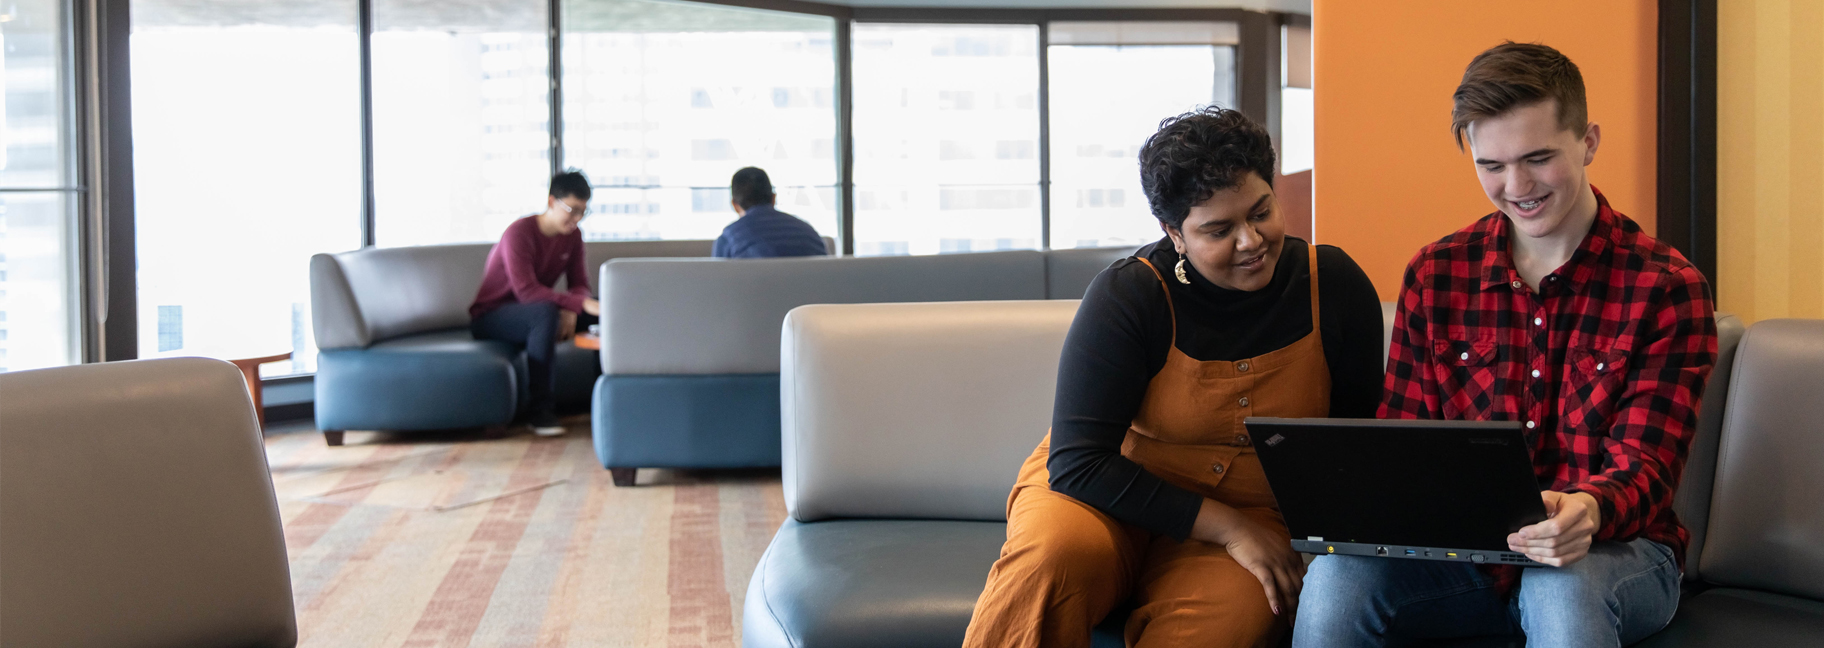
(1147, 491)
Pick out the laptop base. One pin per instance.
(1475, 556)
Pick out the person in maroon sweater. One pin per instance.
(516, 303)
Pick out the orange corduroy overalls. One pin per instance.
(1066, 565)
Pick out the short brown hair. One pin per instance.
(1511, 75)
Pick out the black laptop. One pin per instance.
(1424, 490)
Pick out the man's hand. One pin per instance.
(1266, 555)
(566, 324)
(1564, 537)
(591, 307)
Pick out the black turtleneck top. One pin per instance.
(1119, 339)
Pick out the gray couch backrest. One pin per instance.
(1692, 502)
(1765, 512)
(915, 410)
(365, 296)
(717, 316)
(136, 509)
(1068, 272)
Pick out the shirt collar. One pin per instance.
(1498, 264)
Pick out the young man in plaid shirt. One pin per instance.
(1560, 312)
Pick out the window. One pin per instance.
(1298, 113)
(1111, 84)
(462, 107)
(946, 138)
(247, 160)
(664, 101)
(39, 316)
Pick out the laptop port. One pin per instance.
(1412, 552)
(1380, 551)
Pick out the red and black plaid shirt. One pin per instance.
(1605, 363)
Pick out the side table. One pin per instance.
(250, 370)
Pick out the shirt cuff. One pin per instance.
(569, 301)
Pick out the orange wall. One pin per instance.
(1389, 178)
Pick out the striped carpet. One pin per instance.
(459, 540)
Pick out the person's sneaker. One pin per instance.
(547, 425)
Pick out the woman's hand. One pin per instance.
(1263, 553)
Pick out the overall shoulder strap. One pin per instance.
(1169, 308)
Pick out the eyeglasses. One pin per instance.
(568, 209)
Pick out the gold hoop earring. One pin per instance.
(1179, 270)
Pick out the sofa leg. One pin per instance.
(332, 437)
(623, 476)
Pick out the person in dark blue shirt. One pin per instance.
(762, 231)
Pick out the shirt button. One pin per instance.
(1217, 468)
(1241, 439)
(1599, 366)
(1535, 373)
(1241, 366)
(1244, 399)
(1530, 425)
(1465, 355)
(1516, 285)
(1538, 321)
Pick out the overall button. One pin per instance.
(1244, 401)
(1216, 468)
(1241, 366)
(1241, 439)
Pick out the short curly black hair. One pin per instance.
(1198, 153)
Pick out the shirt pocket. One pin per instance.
(1467, 379)
(1595, 380)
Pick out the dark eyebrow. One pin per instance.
(1209, 225)
(1534, 154)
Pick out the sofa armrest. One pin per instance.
(335, 316)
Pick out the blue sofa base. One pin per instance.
(688, 421)
(440, 380)
(421, 382)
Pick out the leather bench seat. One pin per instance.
(388, 386)
(887, 583)
(904, 425)
(1739, 617)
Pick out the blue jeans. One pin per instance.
(1619, 594)
(532, 327)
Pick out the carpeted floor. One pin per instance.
(459, 540)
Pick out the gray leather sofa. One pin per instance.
(136, 509)
(690, 348)
(904, 425)
(396, 354)
(1760, 557)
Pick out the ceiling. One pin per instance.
(605, 15)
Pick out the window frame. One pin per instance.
(102, 29)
